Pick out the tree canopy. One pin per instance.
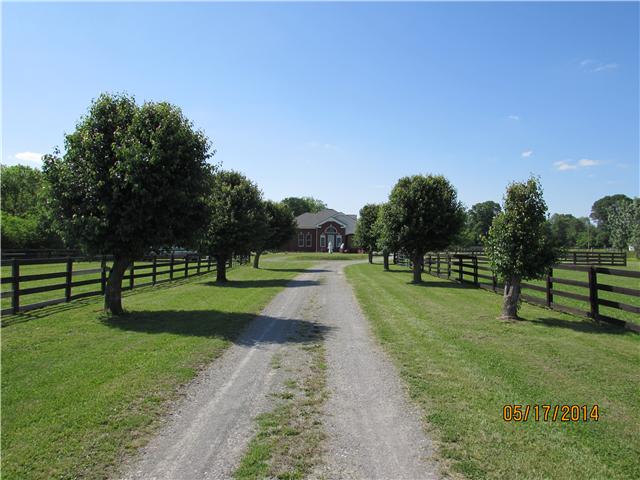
(479, 218)
(519, 243)
(236, 218)
(132, 179)
(300, 205)
(425, 214)
(279, 227)
(366, 235)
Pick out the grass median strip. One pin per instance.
(80, 390)
(462, 366)
(288, 444)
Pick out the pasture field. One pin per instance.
(80, 390)
(462, 366)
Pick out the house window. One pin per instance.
(338, 240)
(301, 239)
(308, 239)
(323, 241)
(331, 229)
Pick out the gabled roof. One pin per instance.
(314, 220)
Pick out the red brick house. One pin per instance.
(316, 230)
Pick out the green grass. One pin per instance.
(314, 257)
(80, 390)
(462, 365)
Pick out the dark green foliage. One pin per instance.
(600, 214)
(424, 213)
(366, 235)
(133, 178)
(278, 228)
(236, 217)
(300, 205)
(568, 231)
(478, 221)
(519, 243)
(26, 216)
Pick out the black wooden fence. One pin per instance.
(474, 269)
(153, 270)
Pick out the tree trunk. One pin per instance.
(113, 289)
(511, 298)
(417, 268)
(221, 269)
(256, 259)
(385, 259)
(370, 256)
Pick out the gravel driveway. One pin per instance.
(372, 430)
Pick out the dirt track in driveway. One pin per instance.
(372, 430)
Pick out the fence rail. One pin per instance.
(154, 270)
(586, 299)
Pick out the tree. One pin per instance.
(279, 227)
(21, 189)
(236, 219)
(386, 237)
(300, 205)
(600, 215)
(133, 179)
(479, 219)
(366, 235)
(519, 243)
(624, 223)
(425, 214)
(565, 229)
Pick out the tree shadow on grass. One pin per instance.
(585, 326)
(295, 270)
(275, 282)
(262, 329)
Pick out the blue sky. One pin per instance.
(338, 101)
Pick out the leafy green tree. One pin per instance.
(479, 218)
(366, 235)
(236, 219)
(19, 232)
(279, 227)
(300, 205)
(386, 237)
(519, 243)
(426, 214)
(600, 215)
(624, 223)
(566, 229)
(132, 179)
(21, 189)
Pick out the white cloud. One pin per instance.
(514, 117)
(562, 165)
(29, 157)
(527, 153)
(587, 162)
(590, 65)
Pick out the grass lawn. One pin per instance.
(462, 366)
(79, 391)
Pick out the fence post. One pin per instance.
(438, 263)
(475, 269)
(15, 297)
(460, 268)
(67, 288)
(575, 258)
(494, 281)
(448, 265)
(593, 293)
(549, 287)
(429, 263)
(171, 267)
(131, 272)
(186, 266)
(103, 275)
(155, 262)
(198, 269)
